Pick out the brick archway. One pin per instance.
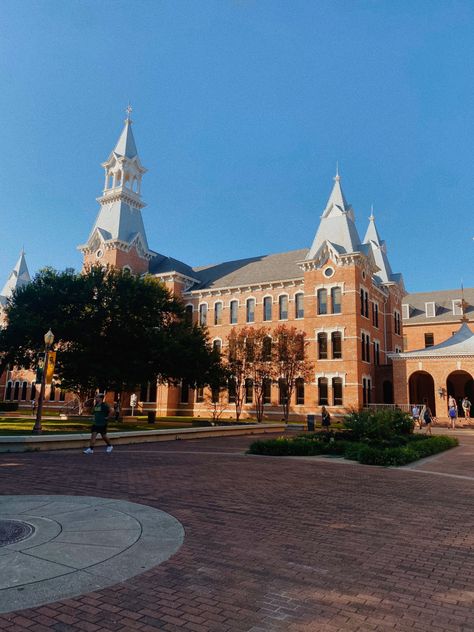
(421, 389)
(459, 384)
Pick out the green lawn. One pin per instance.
(12, 426)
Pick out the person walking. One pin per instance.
(415, 413)
(453, 413)
(325, 418)
(99, 426)
(427, 418)
(466, 406)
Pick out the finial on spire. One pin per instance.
(337, 177)
(129, 110)
(371, 218)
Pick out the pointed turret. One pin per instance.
(119, 224)
(19, 276)
(337, 224)
(379, 251)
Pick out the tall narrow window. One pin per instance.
(8, 393)
(203, 314)
(33, 391)
(16, 391)
(367, 348)
(234, 308)
(299, 391)
(323, 391)
(250, 310)
(231, 390)
(322, 346)
(336, 344)
(267, 349)
(199, 395)
(283, 307)
(62, 395)
(189, 314)
(248, 391)
(184, 392)
(375, 314)
(218, 313)
(217, 346)
(336, 300)
(267, 391)
(249, 350)
(322, 302)
(364, 303)
(397, 319)
(299, 305)
(337, 391)
(267, 308)
(24, 388)
(376, 353)
(282, 391)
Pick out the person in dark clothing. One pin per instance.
(101, 413)
(325, 419)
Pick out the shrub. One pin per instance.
(413, 451)
(385, 424)
(7, 406)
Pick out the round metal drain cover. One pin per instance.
(12, 531)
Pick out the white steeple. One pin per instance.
(337, 224)
(19, 276)
(119, 223)
(379, 251)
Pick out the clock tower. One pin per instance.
(118, 236)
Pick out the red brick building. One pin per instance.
(340, 291)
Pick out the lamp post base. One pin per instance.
(37, 430)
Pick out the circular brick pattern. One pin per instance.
(12, 531)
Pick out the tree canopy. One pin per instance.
(113, 330)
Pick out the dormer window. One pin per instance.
(405, 311)
(457, 307)
(430, 310)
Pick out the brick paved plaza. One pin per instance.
(271, 543)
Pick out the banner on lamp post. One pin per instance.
(50, 364)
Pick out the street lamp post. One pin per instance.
(48, 342)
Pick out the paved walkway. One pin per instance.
(271, 544)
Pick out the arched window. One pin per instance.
(188, 314)
(299, 305)
(33, 391)
(322, 346)
(8, 393)
(250, 350)
(24, 388)
(16, 391)
(127, 269)
(283, 307)
(203, 314)
(337, 391)
(299, 391)
(336, 344)
(218, 313)
(322, 302)
(52, 392)
(250, 310)
(267, 308)
(62, 395)
(323, 391)
(248, 391)
(217, 345)
(336, 300)
(234, 309)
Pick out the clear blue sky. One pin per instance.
(241, 110)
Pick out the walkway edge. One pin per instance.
(62, 442)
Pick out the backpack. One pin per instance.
(452, 412)
(427, 416)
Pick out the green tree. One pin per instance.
(113, 330)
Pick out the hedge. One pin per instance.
(369, 454)
(8, 406)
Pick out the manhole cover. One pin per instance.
(12, 531)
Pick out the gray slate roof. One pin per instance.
(254, 270)
(126, 143)
(461, 343)
(444, 305)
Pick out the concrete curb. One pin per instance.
(63, 442)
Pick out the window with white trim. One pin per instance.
(267, 308)
(218, 313)
(283, 307)
(203, 314)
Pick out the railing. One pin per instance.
(406, 408)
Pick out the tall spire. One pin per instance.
(337, 223)
(372, 232)
(19, 276)
(119, 224)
